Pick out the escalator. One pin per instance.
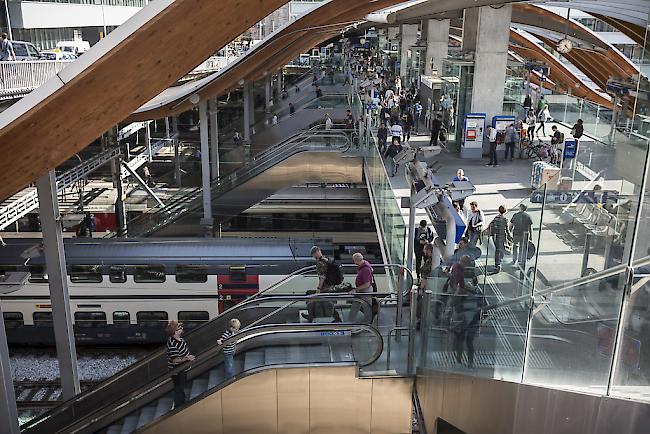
(281, 305)
(311, 156)
(258, 348)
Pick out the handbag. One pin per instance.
(531, 250)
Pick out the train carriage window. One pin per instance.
(192, 319)
(149, 274)
(117, 273)
(38, 274)
(121, 319)
(42, 319)
(13, 319)
(152, 318)
(191, 274)
(85, 273)
(90, 319)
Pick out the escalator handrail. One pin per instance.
(289, 148)
(205, 356)
(255, 299)
(246, 173)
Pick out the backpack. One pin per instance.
(333, 274)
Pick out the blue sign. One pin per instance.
(570, 149)
(575, 196)
(335, 333)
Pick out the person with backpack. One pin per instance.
(329, 275)
(578, 129)
(475, 223)
(423, 236)
(521, 225)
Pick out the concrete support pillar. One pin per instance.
(247, 112)
(278, 83)
(8, 411)
(437, 34)
(409, 37)
(214, 140)
(177, 155)
(167, 128)
(268, 94)
(206, 221)
(58, 281)
(491, 29)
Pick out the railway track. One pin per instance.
(41, 393)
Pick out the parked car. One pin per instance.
(25, 50)
(57, 55)
(74, 47)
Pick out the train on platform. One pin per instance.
(124, 291)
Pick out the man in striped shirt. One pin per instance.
(229, 349)
(177, 354)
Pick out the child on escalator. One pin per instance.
(229, 349)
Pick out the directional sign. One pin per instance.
(575, 196)
(336, 333)
(570, 149)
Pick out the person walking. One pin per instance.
(492, 138)
(475, 223)
(362, 283)
(528, 104)
(393, 150)
(423, 236)
(436, 126)
(531, 120)
(274, 119)
(510, 138)
(382, 138)
(229, 349)
(498, 231)
(578, 129)
(460, 176)
(6, 49)
(544, 115)
(396, 132)
(521, 225)
(465, 311)
(417, 114)
(328, 122)
(292, 109)
(177, 354)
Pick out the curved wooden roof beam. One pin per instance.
(312, 28)
(633, 31)
(527, 48)
(135, 62)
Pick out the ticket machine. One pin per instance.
(501, 123)
(473, 133)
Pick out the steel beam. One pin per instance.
(8, 411)
(205, 164)
(58, 282)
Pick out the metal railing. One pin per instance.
(19, 78)
(13, 210)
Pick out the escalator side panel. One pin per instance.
(314, 400)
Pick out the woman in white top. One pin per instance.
(531, 120)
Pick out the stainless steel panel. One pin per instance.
(486, 406)
(204, 417)
(391, 405)
(339, 403)
(250, 405)
(293, 400)
(492, 401)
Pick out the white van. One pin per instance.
(75, 47)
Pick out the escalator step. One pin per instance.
(275, 355)
(341, 352)
(146, 415)
(199, 385)
(215, 378)
(130, 422)
(114, 429)
(253, 359)
(163, 406)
